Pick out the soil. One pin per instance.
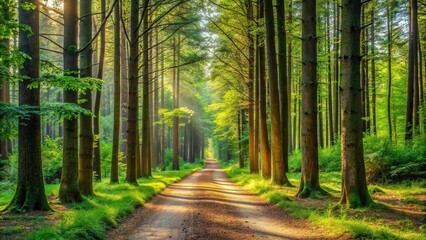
(207, 205)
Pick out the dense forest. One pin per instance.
(317, 106)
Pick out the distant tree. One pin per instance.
(176, 88)
(97, 107)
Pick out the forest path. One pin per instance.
(207, 205)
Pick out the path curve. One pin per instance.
(207, 205)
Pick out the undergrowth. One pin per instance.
(336, 222)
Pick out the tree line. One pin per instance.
(300, 76)
(58, 53)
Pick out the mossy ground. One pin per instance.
(90, 219)
(399, 212)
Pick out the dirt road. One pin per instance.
(206, 205)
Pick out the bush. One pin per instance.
(389, 162)
(52, 160)
(329, 159)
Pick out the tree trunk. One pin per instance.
(156, 135)
(354, 185)
(254, 166)
(309, 184)
(373, 73)
(117, 91)
(263, 129)
(4, 98)
(69, 191)
(329, 81)
(336, 110)
(412, 56)
(96, 125)
(389, 93)
(289, 78)
(124, 92)
(146, 130)
(176, 53)
(282, 80)
(279, 151)
(29, 195)
(85, 175)
(163, 126)
(320, 129)
(256, 102)
(132, 119)
(240, 145)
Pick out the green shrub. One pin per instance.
(389, 162)
(52, 160)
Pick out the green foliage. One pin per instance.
(52, 160)
(56, 111)
(329, 159)
(411, 199)
(67, 82)
(182, 113)
(387, 162)
(9, 115)
(375, 190)
(52, 163)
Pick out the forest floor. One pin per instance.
(399, 211)
(90, 219)
(207, 205)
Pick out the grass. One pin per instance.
(110, 205)
(358, 224)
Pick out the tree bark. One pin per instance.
(412, 56)
(373, 73)
(329, 81)
(163, 126)
(85, 175)
(389, 92)
(354, 185)
(132, 119)
(240, 145)
(279, 151)
(282, 80)
(336, 110)
(117, 91)
(29, 195)
(309, 184)
(176, 53)
(69, 189)
(263, 128)
(254, 166)
(96, 125)
(146, 130)
(124, 92)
